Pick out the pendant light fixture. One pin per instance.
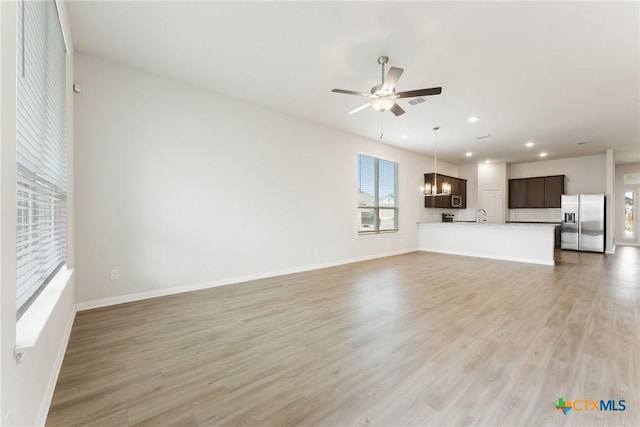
(431, 188)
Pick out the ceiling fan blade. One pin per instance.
(392, 78)
(350, 92)
(360, 108)
(397, 110)
(419, 92)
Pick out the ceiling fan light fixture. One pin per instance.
(382, 104)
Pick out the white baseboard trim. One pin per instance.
(105, 302)
(55, 371)
(626, 244)
(514, 259)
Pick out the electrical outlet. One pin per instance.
(115, 274)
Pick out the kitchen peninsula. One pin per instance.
(532, 243)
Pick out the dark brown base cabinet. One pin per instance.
(458, 188)
(538, 192)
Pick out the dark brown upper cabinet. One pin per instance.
(538, 192)
(455, 187)
(535, 193)
(458, 188)
(553, 191)
(517, 193)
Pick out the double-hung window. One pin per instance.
(377, 195)
(41, 150)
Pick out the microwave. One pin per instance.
(456, 201)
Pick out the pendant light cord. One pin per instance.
(435, 160)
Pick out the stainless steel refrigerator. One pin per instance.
(583, 222)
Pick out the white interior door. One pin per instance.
(492, 203)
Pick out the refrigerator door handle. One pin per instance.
(579, 234)
(579, 220)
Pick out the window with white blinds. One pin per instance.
(41, 150)
(377, 195)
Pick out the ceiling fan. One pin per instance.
(383, 96)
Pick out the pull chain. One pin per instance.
(381, 132)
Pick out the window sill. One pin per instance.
(33, 321)
(376, 233)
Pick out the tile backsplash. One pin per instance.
(435, 214)
(469, 214)
(536, 215)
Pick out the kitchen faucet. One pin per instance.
(478, 215)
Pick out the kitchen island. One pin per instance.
(532, 243)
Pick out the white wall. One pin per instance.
(178, 187)
(491, 175)
(623, 169)
(27, 388)
(470, 173)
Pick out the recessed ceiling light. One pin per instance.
(469, 154)
(487, 161)
(543, 154)
(404, 136)
(474, 119)
(529, 144)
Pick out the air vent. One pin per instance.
(484, 136)
(416, 101)
(583, 143)
(632, 178)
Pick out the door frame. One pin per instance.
(635, 240)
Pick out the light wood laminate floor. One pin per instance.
(415, 339)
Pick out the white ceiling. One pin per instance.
(555, 73)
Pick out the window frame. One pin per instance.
(633, 232)
(377, 208)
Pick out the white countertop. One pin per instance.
(490, 224)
